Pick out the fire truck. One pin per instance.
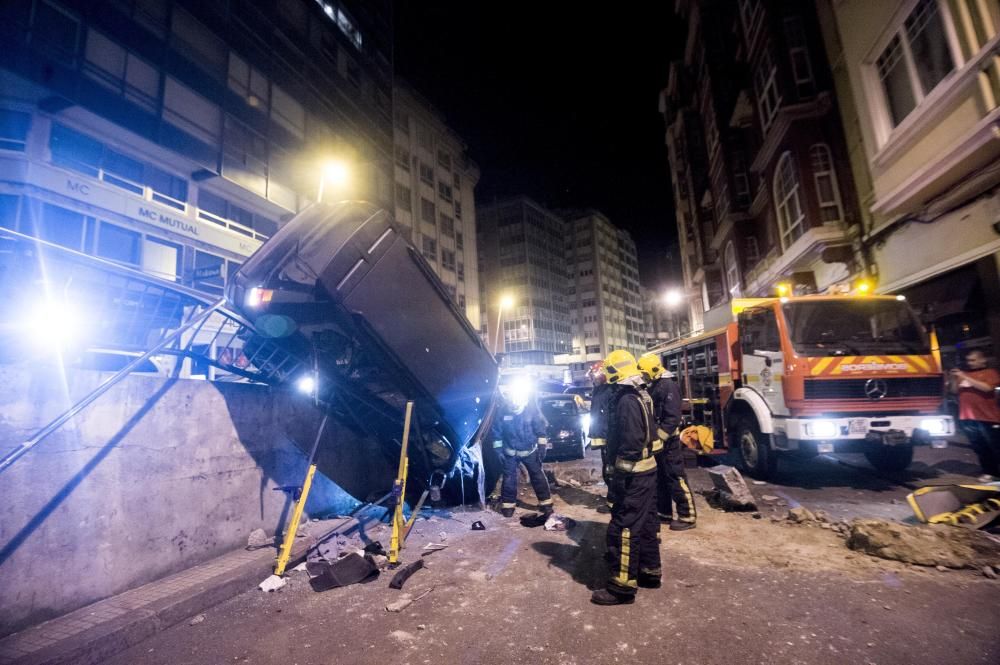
(811, 375)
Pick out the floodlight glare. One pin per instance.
(53, 325)
(306, 384)
(673, 297)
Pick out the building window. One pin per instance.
(424, 138)
(766, 83)
(459, 241)
(798, 54)
(191, 112)
(751, 253)
(915, 60)
(79, 152)
(426, 210)
(249, 83)
(121, 72)
(447, 259)
(786, 200)
(825, 177)
(14, 130)
(208, 272)
(752, 16)
(403, 198)
(62, 227)
(402, 121)
(461, 301)
(460, 270)
(427, 174)
(444, 191)
(197, 43)
(118, 244)
(161, 258)
(732, 270)
(741, 179)
(403, 158)
(447, 226)
(430, 248)
(457, 180)
(444, 160)
(287, 112)
(458, 210)
(55, 32)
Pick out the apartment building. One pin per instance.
(435, 195)
(762, 189)
(919, 86)
(523, 281)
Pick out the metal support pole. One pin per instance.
(399, 491)
(293, 525)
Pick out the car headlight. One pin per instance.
(585, 422)
(822, 429)
(565, 434)
(934, 426)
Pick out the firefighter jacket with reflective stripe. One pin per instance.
(599, 402)
(519, 432)
(631, 429)
(666, 405)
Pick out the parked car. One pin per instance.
(585, 393)
(569, 421)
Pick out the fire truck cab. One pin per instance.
(815, 374)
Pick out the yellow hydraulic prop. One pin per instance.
(399, 527)
(292, 526)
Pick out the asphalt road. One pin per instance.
(737, 589)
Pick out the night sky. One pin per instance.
(557, 101)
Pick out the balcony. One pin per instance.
(799, 256)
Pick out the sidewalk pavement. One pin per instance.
(92, 634)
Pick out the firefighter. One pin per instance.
(672, 488)
(520, 431)
(598, 431)
(633, 553)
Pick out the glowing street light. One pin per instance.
(673, 298)
(306, 384)
(335, 173)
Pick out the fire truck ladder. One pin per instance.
(136, 314)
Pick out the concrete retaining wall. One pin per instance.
(155, 476)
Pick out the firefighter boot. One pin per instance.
(605, 597)
(649, 581)
(681, 525)
(507, 512)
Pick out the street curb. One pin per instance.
(107, 638)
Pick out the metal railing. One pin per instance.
(125, 311)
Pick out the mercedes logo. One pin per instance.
(876, 388)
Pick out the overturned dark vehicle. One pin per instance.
(340, 286)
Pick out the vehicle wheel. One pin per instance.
(889, 458)
(752, 450)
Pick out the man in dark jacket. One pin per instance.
(519, 429)
(632, 550)
(672, 485)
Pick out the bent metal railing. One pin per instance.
(128, 316)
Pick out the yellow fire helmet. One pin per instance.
(651, 365)
(620, 365)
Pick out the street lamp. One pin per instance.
(506, 302)
(334, 172)
(673, 298)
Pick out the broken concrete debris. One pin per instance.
(731, 491)
(401, 604)
(558, 523)
(800, 515)
(932, 545)
(196, 620)
(258, 538)
(770, 497)
(989, 572)
(272, 583)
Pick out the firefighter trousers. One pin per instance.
(673, 490)
(533, 465)
(632, 548)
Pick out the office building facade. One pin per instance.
(603, 288)
(523, 280)
(175, 136)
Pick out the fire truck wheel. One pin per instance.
(889, 458)
(753, 451)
